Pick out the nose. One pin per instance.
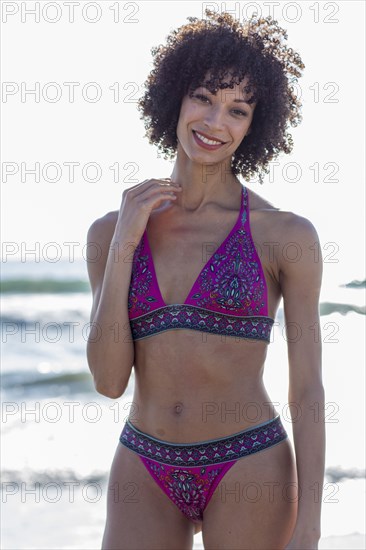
(214, 118)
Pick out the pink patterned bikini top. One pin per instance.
(229, 296)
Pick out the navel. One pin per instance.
(178, 408)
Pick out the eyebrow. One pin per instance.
(234, 100)
(243, 101)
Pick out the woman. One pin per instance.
(182, 293)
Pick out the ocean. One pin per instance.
(59, 435)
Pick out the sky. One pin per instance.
(93, 125)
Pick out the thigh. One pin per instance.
(255, 504)
(139, 514)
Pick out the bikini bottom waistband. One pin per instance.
(213, 451)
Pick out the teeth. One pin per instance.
(208, 141)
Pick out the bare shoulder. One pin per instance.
(101, 230)
(284, 225)
(295, 242)
(289, 226)
(299, 257)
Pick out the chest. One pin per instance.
(207, 277)
(180, 254)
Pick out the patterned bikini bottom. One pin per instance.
(190, 472)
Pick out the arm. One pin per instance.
(110, 347)
(110, 350)
(300, 284)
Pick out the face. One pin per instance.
(212, 126)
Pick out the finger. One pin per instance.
(136, 186)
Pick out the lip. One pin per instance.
(206, 145)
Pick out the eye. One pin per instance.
(201, 97)
(239, 112)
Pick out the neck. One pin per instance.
(202, 183)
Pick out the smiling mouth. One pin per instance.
(207, 141)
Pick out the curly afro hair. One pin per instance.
(215, 47)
